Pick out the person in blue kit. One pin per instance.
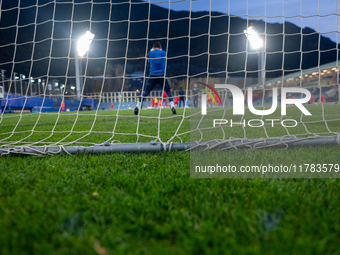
(157, 76)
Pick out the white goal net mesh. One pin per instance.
(50, 95)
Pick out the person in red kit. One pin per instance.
(176, 101)
(62, 106)
(164, 98)
(323, 100)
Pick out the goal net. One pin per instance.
(72, 72)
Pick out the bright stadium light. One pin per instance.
(256, 43)
(84, 42)
(254, 40)
(83, 46)
(22, 76)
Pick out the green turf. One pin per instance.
(146, 203)
(97, 127)
(89, 127)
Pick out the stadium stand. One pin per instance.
(16, 103)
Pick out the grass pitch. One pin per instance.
(146, 203)
(90, 127)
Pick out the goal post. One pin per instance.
(249, 75)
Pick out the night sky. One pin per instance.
(303, 13)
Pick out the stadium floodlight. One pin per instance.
(256, 43)
(15, 83)
(3, 73)
(30, 82)
(254, 39)
(39, 83)
(22, 76)
(72, 90)
(83, 44)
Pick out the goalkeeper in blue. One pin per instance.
(157, 76)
